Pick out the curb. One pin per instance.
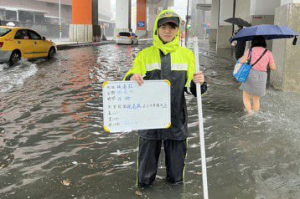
(76, 45)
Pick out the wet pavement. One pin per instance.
(52, 144)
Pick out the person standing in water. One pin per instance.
(165, 59)
(260, 59)
(239, 46)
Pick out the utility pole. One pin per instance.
(59, 13)
(165, 6)
(187, 21)
(233, 15)
(129, 15)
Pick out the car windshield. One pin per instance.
(4, 31)
(126, 34)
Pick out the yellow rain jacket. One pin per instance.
(175, 63)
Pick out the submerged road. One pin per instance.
(52, 144)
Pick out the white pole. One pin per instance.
(201, 128)
(59, 12)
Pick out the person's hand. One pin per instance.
(198, 78)
(138, 78)
(234, 43)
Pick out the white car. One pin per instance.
(127, 38)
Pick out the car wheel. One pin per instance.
(51, 52)
(14, 58)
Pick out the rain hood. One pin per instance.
(168, 47)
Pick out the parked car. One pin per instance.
(18, 42)
(127, 38)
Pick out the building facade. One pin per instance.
(43, 15)
(35, 11)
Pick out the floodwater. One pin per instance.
(52, 144)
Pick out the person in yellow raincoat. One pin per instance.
(165, 59)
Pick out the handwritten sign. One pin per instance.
(128, 106)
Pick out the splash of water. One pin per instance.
(16, 76)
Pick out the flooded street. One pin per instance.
(52, 144)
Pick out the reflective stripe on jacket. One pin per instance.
(149, 60)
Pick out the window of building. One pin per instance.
(39, 18)
(11, 15)
(51, 20)
(2, 14)
(26, 16)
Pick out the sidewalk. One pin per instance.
(63, 45)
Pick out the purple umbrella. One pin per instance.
(267, 31)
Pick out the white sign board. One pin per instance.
(128, 106)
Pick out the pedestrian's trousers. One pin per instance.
(148, 155)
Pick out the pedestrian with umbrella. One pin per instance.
(239, 45)
(259, 58)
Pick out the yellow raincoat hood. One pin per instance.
(168, 47)
(148, 60)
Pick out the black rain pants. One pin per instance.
(148, 156)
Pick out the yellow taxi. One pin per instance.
(18, 42)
